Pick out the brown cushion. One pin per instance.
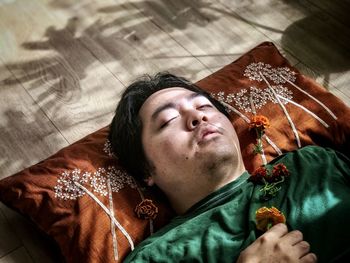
(241, 78)
(47, 194)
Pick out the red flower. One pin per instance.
(279, 171)
(146, 210)
(268, 217)
(270, 178)
(258, 175)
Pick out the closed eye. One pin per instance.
(166, 123)
(205, 106)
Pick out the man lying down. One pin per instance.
(169, 133)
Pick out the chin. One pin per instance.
(219, 160)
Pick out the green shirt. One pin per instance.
(315, 200)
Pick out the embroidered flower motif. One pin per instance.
(254, 71)
(259, 123)
(258, 175)
(279, 171)
(146, 209)
(270, 179)
(258, 96)
(268, 217)
(107, 148)
(67, 189)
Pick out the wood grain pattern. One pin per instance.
(310, 33)
(206, 29)
(71, 86)
(27, 135)
(63, 64)
(121, 36)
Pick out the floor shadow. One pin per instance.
(24, 140)
(171, 14)
(61, 73)
(320, 41)
(54, 80)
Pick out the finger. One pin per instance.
(309, 258)
(274, 233)
(303, 248)
(293, 237)
(271, 236)
(278, 230)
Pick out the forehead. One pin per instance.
(162, 97)
(168, 94)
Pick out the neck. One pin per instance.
(181, 201)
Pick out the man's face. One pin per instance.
(186, 139)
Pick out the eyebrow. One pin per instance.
(172, 105)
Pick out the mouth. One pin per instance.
(206, 133)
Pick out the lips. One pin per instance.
(205, 133)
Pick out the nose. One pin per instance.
(195, 118)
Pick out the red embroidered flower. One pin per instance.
(279, 171)
(268, 217)
(258, 175)
(146, 210)
(271, 179)
(259, 122)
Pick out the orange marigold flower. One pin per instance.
(146, 210)
(258, 175)
(259, 122)
(268, 217)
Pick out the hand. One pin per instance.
(278, 245)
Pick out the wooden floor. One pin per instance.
(63, 64)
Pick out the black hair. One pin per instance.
(126, 127)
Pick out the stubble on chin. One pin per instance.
(214, 167)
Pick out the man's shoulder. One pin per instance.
(311, 152)
(313, 159)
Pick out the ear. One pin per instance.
(149, 181)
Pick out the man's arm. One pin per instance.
(278, 245)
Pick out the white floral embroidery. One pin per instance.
(120, 179)
(259, 97)
(67, 189)
(98, 182)
(74, 184)
(107, 148)
(277, 75)
(281, 74)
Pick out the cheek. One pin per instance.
(232, 132)
(224, 122)
(170, 149)
(227, 125)
(157, 148)
(167, 152)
